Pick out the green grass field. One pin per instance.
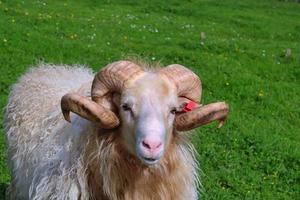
(241, 60)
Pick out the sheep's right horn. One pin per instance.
(112, 78)
(88, 110)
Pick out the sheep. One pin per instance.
(114, 135)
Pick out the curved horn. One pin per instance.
(113, 78)
(187, 82)
(88, 110)
(189, 87)
(202, 115)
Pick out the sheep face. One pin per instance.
(147, 111)
(147, 103)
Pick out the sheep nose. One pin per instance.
(152, 144)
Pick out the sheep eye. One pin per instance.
(173, 111)
(126, 107)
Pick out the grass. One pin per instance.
(256, 155)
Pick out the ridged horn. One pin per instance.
(88, 109)
(187, 82)
(112, 78)
(189, 87)
(201, 116)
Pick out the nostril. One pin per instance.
(146, 145)
(158, 145)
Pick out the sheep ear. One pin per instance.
(185, 104)
(116, 99)
(202, 115)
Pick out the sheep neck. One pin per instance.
(113, 173)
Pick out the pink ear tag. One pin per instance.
(189, 106)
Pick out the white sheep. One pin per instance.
(123, 142)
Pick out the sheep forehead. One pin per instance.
(152, 87)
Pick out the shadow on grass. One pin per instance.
(3, 187)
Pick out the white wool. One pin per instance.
(41, 144)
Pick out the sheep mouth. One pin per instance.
(150, 161)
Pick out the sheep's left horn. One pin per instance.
(189, 88)
(89, 110)
(187, 83)
(202, 115)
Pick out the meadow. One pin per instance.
(246, 52)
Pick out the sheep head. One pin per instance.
(145, 106)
